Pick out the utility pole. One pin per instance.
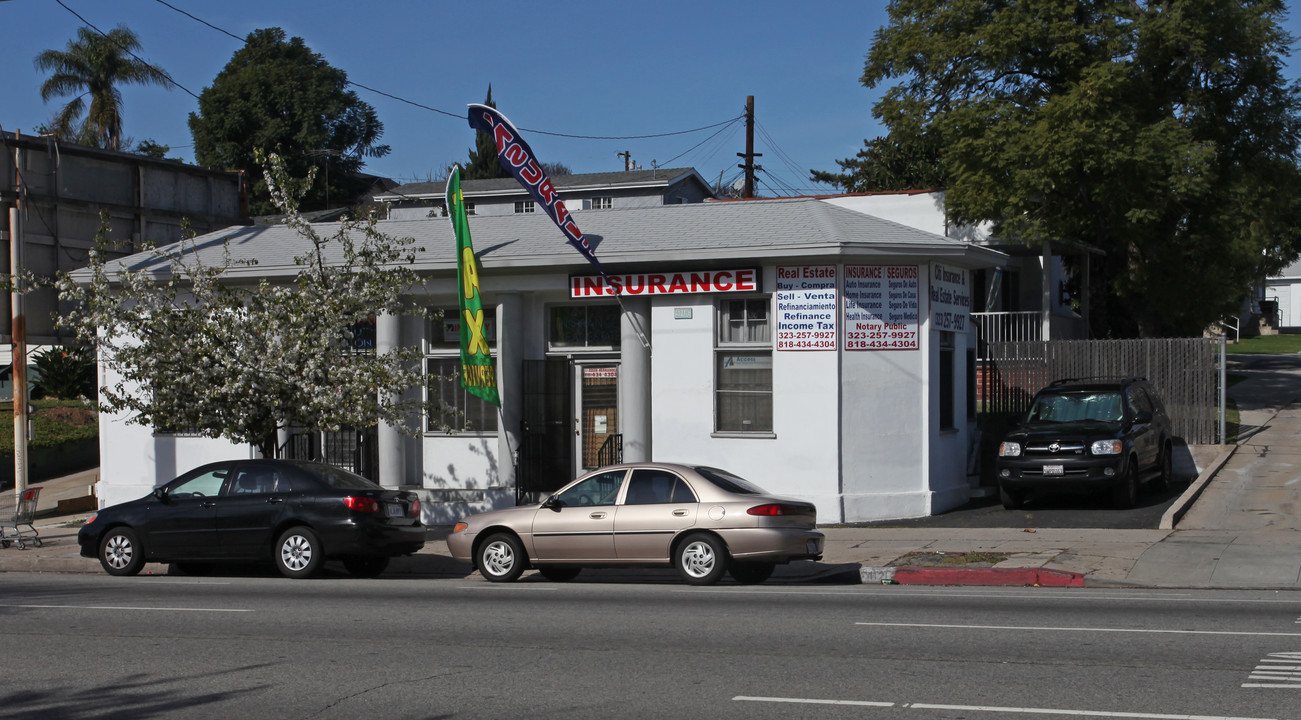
(18, 328)
(749, 155)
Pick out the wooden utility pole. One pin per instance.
(749, 155)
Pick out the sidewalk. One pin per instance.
(1238, 525)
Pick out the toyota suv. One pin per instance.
(1087, 434)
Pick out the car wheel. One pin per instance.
(1166, 477)
(298, 553)
(701, 559)
(501, 558)
(559, 574)
(751, 573)
(120, 552)
(366, 566)
(1125, 494)
(1012, 499)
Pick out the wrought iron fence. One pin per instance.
(1022, 326)
(1187, 372)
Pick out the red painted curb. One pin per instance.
(986, 576)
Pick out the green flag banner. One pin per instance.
(478, 373)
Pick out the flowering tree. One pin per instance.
(198, 347)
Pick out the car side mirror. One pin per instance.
(160, 494)
(552, 503)
(1143, 417)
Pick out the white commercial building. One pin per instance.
(820, 352)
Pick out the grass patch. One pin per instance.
(943, 559)
(1266, 345)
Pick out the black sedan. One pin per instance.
(296, 514)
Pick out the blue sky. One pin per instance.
(591, 69)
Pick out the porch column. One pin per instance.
(1047, 301)
(510, 384)
(635, 379)
(389, 438)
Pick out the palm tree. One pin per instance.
(95, 64)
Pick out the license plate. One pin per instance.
(811, 546)
(1053, 470)
(392, 510)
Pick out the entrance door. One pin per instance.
(598, 418)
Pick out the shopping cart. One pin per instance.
(23, 513)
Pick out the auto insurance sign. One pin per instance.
(881, 307)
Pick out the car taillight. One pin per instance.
(774, 509)
(413, 509)
(361, 503)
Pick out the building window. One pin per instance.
(584, 326)
(469, 208)
(743, 367)
(445, 330)
(461, 411)
(524, 206)
(602, 203)
(947, 381)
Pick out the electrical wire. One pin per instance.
(91, 25)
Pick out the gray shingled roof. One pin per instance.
(661, 177)
(738, 231)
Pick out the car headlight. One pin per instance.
(1107, 447)
(1009, 449)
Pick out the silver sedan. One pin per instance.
(703, 521)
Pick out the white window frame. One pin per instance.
(525, 207)
(757, 343)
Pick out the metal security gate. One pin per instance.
(1187, 372)
(352, 449)
(546, 438)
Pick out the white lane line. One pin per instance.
(1080, 629)
(504, 587)
(812, 701)
(125, 607)
(995, 709)
(1048, 593)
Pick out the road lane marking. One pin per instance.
(1080, 629)
(127, 607)
(1276, 671)
(996, 709)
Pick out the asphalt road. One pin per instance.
(100, 647)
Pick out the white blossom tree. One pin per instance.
(203, 348)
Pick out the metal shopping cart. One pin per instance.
(23, 513)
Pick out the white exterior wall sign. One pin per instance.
(950, 298)
(669, 283)
(806, 307)
(881, 307)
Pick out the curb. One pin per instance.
(1195, 488)
(915, 575)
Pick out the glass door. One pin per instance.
(598, 416)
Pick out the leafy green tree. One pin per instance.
(887, 164)
(195, 346)
(1160, 132)
(278, 96)
(483, 163)
(93, 66)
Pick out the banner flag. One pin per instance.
(478, 373)
(517, 158)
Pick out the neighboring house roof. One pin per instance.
(585, 182)
(722, 232)
(1290, 272)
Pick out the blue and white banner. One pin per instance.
(518, 159)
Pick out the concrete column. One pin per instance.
(510, 384)
(391, 470)
(635, 380)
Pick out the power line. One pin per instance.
(91, 25)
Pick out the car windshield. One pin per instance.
(1062, 407)
(729, 482)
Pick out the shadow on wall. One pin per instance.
(453, 481)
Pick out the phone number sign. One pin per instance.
(806, 307)
(881, 307)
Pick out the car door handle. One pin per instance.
(208, 504)
(680, 513)
(597, 515)
(274, 500)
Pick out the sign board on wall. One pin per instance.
(950, 298)
(881, 307)
(666, 283)
(806, 307)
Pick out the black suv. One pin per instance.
(1087, 434)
